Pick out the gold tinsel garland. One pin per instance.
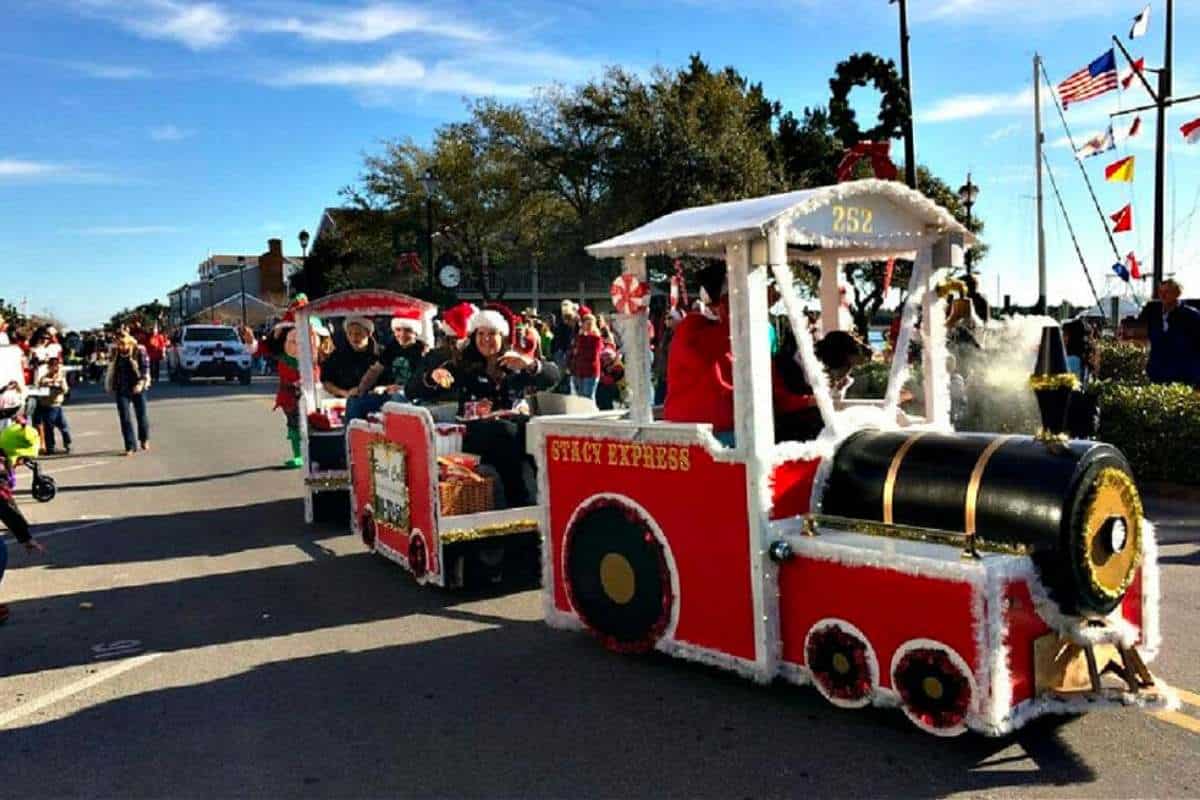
(1063, 380)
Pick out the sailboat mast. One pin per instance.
(1037, 160)
(1160, 148)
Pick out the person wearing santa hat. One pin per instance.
(487, 370)
(700, 370)
(454, 335)
(400, 358)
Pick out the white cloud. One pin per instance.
(169, 133)
(399, 71)
(109, 72)
(969, 106)
(1011, 129)
(1027, 13)
(21, 168)
(369, 23)
(199, 26)
(204, 25)
(127, 230)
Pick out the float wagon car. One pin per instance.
(975, 581)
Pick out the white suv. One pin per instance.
(208, 351)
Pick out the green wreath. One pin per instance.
(861, 69)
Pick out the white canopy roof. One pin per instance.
(867, 215)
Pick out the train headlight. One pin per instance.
(1111, 534)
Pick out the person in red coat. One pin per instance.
(700, 370)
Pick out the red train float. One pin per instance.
(974, 581)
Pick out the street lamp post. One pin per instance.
(967, 195)
(431, 183)
(304, 243)
(212, 295)
(242, 280)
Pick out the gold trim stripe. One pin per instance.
(889, 483)
(976, 480)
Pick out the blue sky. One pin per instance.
(141, 134)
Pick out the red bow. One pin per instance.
(880, 154)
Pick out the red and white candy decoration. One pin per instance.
(629, 295)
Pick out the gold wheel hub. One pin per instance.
(617, 578)
(841, 664)
(1112, 533)
(933, 688)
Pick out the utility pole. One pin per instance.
(1160, 149)
(910, 145)
(1037, 155)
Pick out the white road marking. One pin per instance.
(52, 471)
(65, 529)
(49, 699)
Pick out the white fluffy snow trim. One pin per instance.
(784, 453)
(713, 658)
(1151, 633)
(917, 286)
(814, 370)
(1163, 698)
(488, 319)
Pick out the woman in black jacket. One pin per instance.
(487, 369)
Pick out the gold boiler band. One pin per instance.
(889, 483)
(973, 485)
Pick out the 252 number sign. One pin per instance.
(852, 219)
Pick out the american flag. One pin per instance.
(1095, 79)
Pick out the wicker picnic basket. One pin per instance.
(464, 491)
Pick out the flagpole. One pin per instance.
(1037, 154)
(1160, 150)
(1082, 169)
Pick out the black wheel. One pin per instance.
(935, 687)
(182, 377)
(229, 378)
(418, 558)
(367, 530)
(617, 576)
(244, 379)
(44, 488)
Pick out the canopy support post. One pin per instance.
(635, 342)
(754, 424)
(831, 293)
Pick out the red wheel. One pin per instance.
(842, 663)
(935, 686)
(418, 558)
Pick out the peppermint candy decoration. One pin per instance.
(629, 295)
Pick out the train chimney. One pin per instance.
(1053, 383)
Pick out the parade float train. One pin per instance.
(975, 581)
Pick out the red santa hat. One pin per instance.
(455, 319)
(408, 319)
(489, 319)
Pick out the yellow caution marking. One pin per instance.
(1191, 698)
(1179, 720)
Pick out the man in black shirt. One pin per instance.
(343, 374)
(1173, 330)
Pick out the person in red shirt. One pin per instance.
(700, 370)
(156, 348)
(585, 358)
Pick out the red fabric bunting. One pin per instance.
(880, 154)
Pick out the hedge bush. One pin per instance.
(1123, 361)
(1156, 426)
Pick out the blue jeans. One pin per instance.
(359, 407)
(124, 413)
(48, 418)
(584, 387)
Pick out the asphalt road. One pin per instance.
(188, 635)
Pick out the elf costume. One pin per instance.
(284, 347)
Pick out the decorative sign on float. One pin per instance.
(389, 484)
